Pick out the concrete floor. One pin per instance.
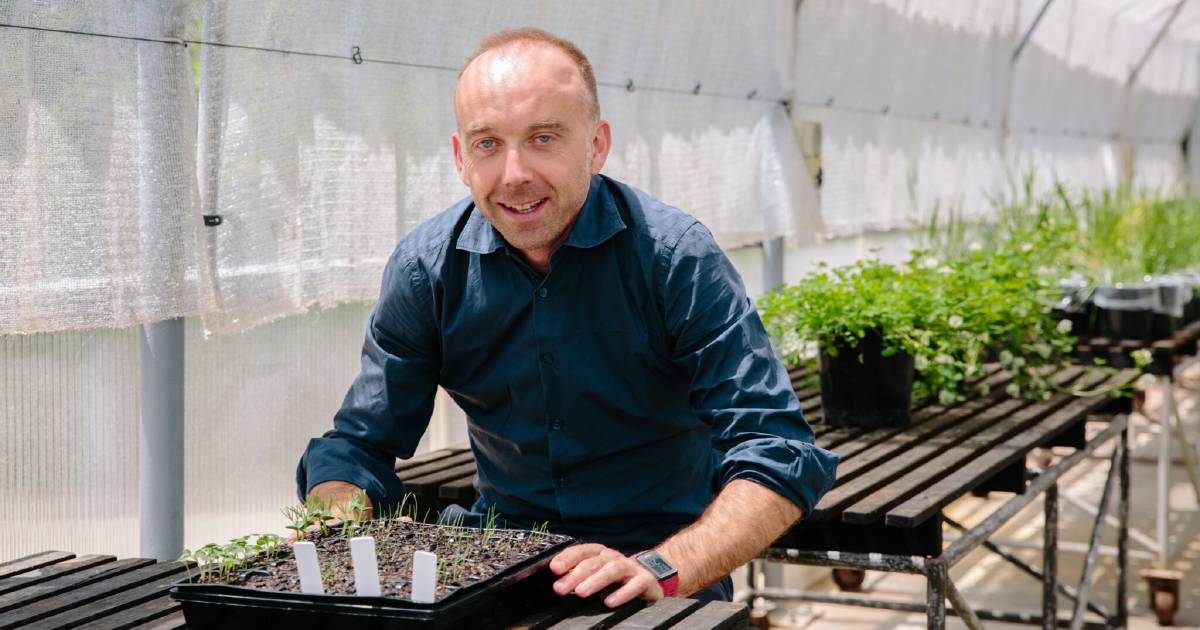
(987, 581)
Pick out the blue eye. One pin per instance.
(487, 143)
(544, 138)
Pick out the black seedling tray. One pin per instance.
(494, 602)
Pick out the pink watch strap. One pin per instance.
(670, 586)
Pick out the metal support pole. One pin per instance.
(772, 263)
(1122, 616)
(984, 614)
(1164, 469)
(961, 605)
(1026, 567)
(160, 441)
(935, 596)
(1050, 559)
(1089, 562)
(1187, 451)
(960, 548)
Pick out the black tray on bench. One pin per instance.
(499, 600)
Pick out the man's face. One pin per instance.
(526, 145)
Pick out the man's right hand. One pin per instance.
(337, 494)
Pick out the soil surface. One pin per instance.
(465, 556)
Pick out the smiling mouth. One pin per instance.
(524, 208)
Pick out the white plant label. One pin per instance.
(424, 576)
(366, 568)
(308, 567)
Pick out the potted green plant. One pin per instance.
(860, 326)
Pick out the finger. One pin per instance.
(615, 570)
(570, 581)
(640, 586)
(571, 556)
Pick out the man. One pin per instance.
(615, 375)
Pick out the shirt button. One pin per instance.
(548, 358)
(555, 423)
(543, 292)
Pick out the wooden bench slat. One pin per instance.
(47, 573)
(135, 616)
(718, 616)
(929, 501)
(117, 601)
(427, 484)
(31, 562)
(871, 507)
(460, 490)
(64, 583)
(661, 614)
(896, 442)
(425, 458)
(596, 616)
(173, 621)
(77, 597)
(876, 472)
(428, 468)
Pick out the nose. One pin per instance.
(516, 172)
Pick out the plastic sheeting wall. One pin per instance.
(97, 174)
(69, 428)
(318, 165)
(253, 401)
(68, 442)
(922, 106)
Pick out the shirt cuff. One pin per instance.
(798, 471)
(333, 459)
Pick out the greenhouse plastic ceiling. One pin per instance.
(317, 164)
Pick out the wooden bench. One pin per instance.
(891, 483)
(1164, 352)
(56, 589)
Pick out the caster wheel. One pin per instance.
(1165, 605)
(1163, 586)
(849, 580)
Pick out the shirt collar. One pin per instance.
(598, 221)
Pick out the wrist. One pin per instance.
(661, 569)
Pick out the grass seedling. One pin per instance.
(354, 513)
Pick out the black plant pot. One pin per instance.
(1191, 311)
(1120, 324)
(1126, 312)
(862, 388)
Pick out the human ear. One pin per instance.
(601, 143)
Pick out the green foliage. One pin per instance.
(949, 314)
(218, 563)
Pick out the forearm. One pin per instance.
(739, 524)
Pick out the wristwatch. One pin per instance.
(667, 575)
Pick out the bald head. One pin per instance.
(504, 55)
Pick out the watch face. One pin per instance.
(657, 565)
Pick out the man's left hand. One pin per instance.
(587, 569)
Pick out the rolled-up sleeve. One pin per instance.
(738, 385)
(387, 408)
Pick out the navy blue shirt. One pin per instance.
(612, 396)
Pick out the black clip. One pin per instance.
(357, 55)
(212, 220)
(696, 90)
(629, 85)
